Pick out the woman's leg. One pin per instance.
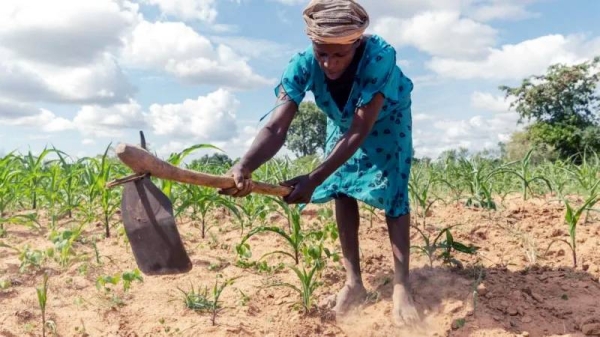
(347, 217)
(399, 231)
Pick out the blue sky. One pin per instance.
(82, 74)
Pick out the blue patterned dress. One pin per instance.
(378, 172)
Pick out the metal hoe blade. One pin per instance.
(150, 226)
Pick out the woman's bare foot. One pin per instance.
(349, 296)
(404, 311)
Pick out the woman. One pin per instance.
(356, 82)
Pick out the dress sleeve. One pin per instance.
(296, 78)
(381, 75)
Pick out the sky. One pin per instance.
(80, 75)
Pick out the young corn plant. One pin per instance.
(309, 283)
(109, 198)
(480, 183)
(308, 275)
(30, 259)
(557, 175)
(71, 187)
(42, 295)
(447, 246)
(525, 175)
(33, 168)
(126, 278)
(9, 173)
(275, 170)
(450, 175)
(371, 212)
(90, 193)
(201, 200)
(420, 188)
(572, 216)
(98, 172)
(315, 258)
(254, 208)
(450, 245)
(294, 238)
(63, 244)
(588, 177)
(28, 220)
(53, 191)
(504, 185)
(176, 159)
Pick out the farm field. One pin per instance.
(499, 249)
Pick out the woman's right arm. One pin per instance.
(271, 137)
(267, 143)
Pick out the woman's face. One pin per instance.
(334, 58)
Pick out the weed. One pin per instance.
(201, 301)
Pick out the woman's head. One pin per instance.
(336, 28)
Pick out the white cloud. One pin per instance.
(489, 102)
(421, 117)
(291, 2)
(233, 148)
(102, 82)
(408, 8)
(60, 51)
(434, 135)
(244, 140)
(502, 10)
(43, 120)
(11, 110)
(256, 48)
(208, 118)
(39, 136)
(202, 10)
(440, 33)
(154, 44)
(63, 32)
(49, 122)
(403, 63)
(29, 116)
(97, 121)
(516, 61)
(480, 10)
(177, 49)
(171, 147)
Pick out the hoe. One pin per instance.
(148, 213)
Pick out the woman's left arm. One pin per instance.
(363, 121)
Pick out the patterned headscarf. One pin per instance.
(335, 21)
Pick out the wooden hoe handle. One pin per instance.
(142, 161)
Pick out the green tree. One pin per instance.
(563, 107)
(520, 143)
(308, 130)
(215, 160)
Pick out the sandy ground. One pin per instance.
(510, 288)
